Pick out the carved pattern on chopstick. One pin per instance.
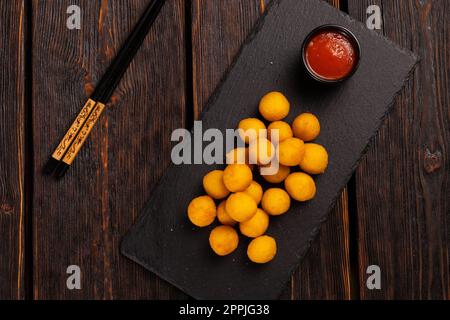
(72, 132)
(84, 133)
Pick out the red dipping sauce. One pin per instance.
(331, 55)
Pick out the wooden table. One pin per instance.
(395, 212)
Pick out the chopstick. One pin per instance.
(68, 148)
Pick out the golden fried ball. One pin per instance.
(256, 226)
(237, 177)
(251, 129)
(284, 130)
(255, 191)
(261, 151)
(279, 176)
(223, 216)
(202, 211)
(291, 151)
(300, 186)
(262, 249)
(223, 240)
(274, 106)
(315, 160)
(214, 186)
(238, 156)
(306, 127)
(276, 201)
(240, 206)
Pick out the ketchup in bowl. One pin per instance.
(331, 53)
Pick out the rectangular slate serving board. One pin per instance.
(163, 241)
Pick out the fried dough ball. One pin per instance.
(256, 226)
(291, 151)
(276, 201)
(240, 206)
(261, 151)
(262, 249)
(202, 211)
(255, 191)
(223, 240)
(279, 176)
(222, 215)
(238, 156)
(284, 131)
(237, 177)
(214, 186)
(274, 106)
(315, 160)
(300, 186)
(251, 129)
(306, 127)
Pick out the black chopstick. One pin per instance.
(112, 77)
(68, 148)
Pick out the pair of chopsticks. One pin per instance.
(64, 155)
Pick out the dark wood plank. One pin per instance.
(12, 154)
(218, 30)
(325, 272)
(403, 182)
(81, 219)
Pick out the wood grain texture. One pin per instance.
(325, 272)
(403, 182)
(80, 219)
(12, 153)
(218, 30)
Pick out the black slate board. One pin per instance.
(163, 240)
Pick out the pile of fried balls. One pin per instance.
(240, 196)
